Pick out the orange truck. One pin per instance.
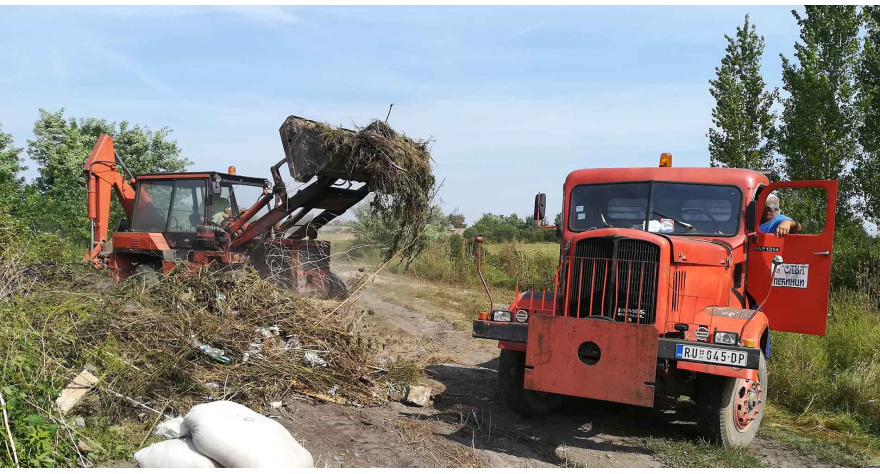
(666, 286)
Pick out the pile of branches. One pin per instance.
(139, 338)
(398, 169)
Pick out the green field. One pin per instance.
(547, 248)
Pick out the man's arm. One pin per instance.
(786, 227)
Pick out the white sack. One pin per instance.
(236, 436)
(173, 453)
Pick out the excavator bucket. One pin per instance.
(307, 154)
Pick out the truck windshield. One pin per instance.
(668, 208)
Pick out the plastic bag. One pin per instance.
(172, 429)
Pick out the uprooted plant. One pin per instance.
(399, 173)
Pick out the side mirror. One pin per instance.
(540, 206)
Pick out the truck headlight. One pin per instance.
(522, 315)
(727, 338)
(502, 316)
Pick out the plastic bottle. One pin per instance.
(211, 352)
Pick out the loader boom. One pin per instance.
(100, 171)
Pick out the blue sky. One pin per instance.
(515, 97)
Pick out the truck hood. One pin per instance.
(699, 251)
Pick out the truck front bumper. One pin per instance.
(519, 332)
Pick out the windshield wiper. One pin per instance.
(683, 224)
(604, 221)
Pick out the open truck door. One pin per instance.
(798, 292)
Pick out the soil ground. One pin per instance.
(468, 424)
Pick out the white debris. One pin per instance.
(275, 404)
(419, 395)
(172, 429)
(313, 360)
(78, 423)
(75, 390)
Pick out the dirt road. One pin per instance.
(468, 425)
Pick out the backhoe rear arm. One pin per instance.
(102, 177)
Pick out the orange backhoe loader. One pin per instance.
(196, 218)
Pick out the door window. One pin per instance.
(188, 209)
(807, 206)
(223, 206)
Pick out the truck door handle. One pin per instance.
(825, 253)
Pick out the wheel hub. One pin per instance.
(748, 403)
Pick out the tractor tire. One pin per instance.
(731, 409)
(528, 403)
(146, 272)
(336, 287)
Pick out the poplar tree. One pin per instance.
(744, 135)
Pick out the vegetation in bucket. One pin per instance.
(399, 172)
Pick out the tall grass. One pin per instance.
(453, 260)
(836, 375)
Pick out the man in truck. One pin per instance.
(774, 222)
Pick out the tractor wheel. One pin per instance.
(530, 403)
(146, 272)
(336, 289)
(731, 409)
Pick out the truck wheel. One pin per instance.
(731, 409)
(530, 403)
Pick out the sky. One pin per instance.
(514, 98)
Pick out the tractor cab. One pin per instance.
(177, 205)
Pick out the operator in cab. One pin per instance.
(774, 222)
(222, 209)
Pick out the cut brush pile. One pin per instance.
(138, 339)
(399, 172)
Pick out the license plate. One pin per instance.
(711, 354)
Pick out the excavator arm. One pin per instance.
(102, 177)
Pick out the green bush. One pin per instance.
(499, 228)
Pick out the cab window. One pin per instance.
(188, 206)
(153, 201)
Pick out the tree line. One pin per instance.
(55, 201)
(826, 125)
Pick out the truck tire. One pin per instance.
(731, 409)
(529, 403)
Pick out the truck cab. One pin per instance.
(666, 286)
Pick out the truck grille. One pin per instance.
(615, 278)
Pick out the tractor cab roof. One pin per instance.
(224, 177)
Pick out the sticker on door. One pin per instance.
(792, 275)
